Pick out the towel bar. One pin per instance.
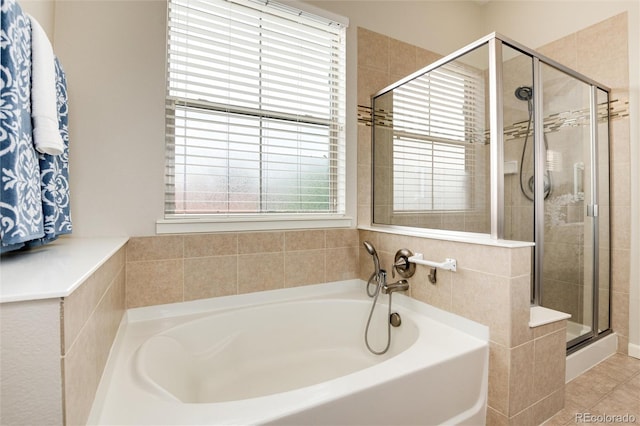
(448, 264)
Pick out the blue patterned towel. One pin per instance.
(34, 190)
(20, 195)
(54, 173)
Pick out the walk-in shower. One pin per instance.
(498, 139)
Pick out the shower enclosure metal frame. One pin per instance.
(495, 43)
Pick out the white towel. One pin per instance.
(44, 105)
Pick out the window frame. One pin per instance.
(212, 222)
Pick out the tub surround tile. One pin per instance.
(206, 277)
(260, 242)
(86, 359)
(520, 311)
(336, 238)
(223, 264)
(545, 329)
(499, 365)
(258, 272)
(155, 248)
(550, 364)
(521, 378)
(304, 240)
(341, 263)
(79, 306)
(154, 282)
(476, 296)
(80, 378)
(206, 245)
(438, 294)
(304, 267)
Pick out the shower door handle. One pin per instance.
(592, 210)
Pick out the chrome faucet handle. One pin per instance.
(402, 265)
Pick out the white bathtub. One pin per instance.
(294, 356)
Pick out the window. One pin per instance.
(436, 119)
(254, 110)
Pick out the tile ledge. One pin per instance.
(56, 269)
(540, 315)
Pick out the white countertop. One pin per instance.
(53, 270)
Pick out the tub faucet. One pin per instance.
(401, 285)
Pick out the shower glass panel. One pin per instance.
(519, 122)
(497, 139)
(568, 256)
(430, 154)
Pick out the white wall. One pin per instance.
(114, 55)
(440, 26)
(43, 11)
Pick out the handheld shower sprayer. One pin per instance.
(374, 254)
(525, 93)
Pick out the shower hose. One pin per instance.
(375, 295)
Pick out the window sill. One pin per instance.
(249, 223)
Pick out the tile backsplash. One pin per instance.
(167, 269)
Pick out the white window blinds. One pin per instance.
(438, 122)
(255, 110)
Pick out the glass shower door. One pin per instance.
(569, 258)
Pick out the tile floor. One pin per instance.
(611, 388)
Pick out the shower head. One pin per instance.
(370, 249)
(374, 254)
(524, 93)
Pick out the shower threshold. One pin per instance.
(583, 359)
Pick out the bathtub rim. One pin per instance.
(223, 303)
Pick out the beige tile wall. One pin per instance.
(90, 319)
(166, 269)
